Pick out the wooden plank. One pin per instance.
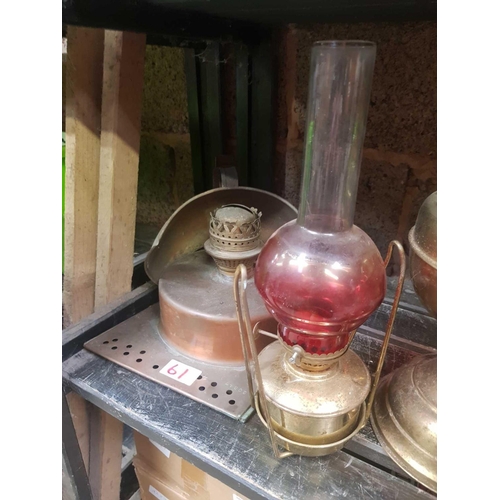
(74, 478)
(83, 123)
(78, 409)
(119, 162)
(123, 74)
(105, 455)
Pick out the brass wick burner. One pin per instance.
(311, 404)
(234, 237)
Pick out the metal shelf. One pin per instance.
(237, 19)
(240, 454)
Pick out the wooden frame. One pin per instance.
(104, 94)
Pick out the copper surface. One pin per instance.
(197, 310)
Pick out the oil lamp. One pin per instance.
(196, 308)
(320, 276)
(190, 341)
(405, 408)
(194, 261)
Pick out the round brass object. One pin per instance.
(404, 418)
(404, 415)
(187, 229)
(314, 450)
(423, 254)
(313, 408)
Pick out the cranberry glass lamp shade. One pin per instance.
(321, 276)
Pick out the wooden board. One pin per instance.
(78, 409)
(105, 455)
(105, 77)
(119, 163)
(123, 70)
(83, 123)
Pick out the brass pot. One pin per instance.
(404, 415)
(404, 418)
(423, 254)
(313, 409)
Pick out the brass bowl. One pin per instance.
(423, 254)
(187, 229)
(313, 409)
(404, 414)
(404, 418)
(313, 450)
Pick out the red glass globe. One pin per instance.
(320, 286)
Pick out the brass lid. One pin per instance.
(335, 391)
(404, 418)
(423, 236)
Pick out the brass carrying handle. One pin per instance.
(250, 351)
(390, 322)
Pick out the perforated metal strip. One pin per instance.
(136, 345)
